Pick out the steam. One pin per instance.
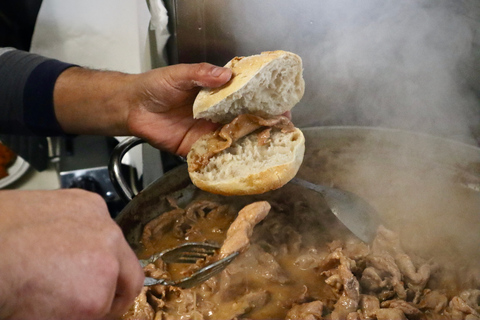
(400, 64)
(405, 65)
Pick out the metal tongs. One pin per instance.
(190, 253)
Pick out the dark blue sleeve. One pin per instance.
(26, 93)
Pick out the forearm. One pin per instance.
(93, 102)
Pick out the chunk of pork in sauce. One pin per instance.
(280, 276)
(239, 233)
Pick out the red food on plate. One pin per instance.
(7, 157)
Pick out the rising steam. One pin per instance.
(401, 64)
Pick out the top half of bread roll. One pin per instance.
(266, 84)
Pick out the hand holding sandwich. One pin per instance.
(155, 105)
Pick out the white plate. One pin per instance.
(15, 171)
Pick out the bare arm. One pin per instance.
(156, 105)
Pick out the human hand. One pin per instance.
(162, 112)
(63, 257)
(155, 105)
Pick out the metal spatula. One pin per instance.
(350, 209)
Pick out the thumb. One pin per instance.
(189, 76)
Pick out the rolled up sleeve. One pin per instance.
(27, 82)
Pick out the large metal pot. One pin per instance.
(426, 188)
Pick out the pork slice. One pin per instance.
(385, 264)
(460, 306)
(159, 226)
(199, 209)
(415, 279)
(412, 312)
(241, 126)
(471, 298)
(344, 280)
(386, 242)
(341, 278)
(356, 249)
(343, 307)
(433, 300)
(390, 314)
(368, 306)
(372, 282)
(249, 302)
(141, 309)
(306, 311)
(354, 316)
(156, 270)
(238, 235)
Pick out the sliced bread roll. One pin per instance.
(258, 149)
(266, 84)
(249, 168)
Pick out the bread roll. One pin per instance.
(267, 84)
(258, 149)
(249, 168)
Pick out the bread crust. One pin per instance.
(244, 69)
(270, 178)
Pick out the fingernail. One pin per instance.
(217, 72)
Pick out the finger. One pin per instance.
(189, 76)
(129, 282)
(199, 128)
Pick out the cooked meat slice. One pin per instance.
(264, 136)
(368, 306)
(343, 307)
(238, 235)
(306, 311)
(409, 310)
(156, 270)
(343, 280)
(390, 314)
(268, 267)
(386, 265)
(386, 242)
(372, 282)
(230, 285)
(460, 306)
(356, 249)
(472, 298)
(354, 316)
(433, 300)
(248, 303)
(241, 126)
(159, 226)
(199, 209)
(415, 279)
(259, 265)
(311, 259)
(140, 310)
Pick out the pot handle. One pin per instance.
(115, 165)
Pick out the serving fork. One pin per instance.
(189, 253)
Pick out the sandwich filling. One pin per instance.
(240, 127)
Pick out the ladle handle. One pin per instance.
(115, 167)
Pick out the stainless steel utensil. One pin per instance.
(189, 252)
(350, 209)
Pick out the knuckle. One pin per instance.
(98, 303)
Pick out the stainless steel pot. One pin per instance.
(425, 187)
